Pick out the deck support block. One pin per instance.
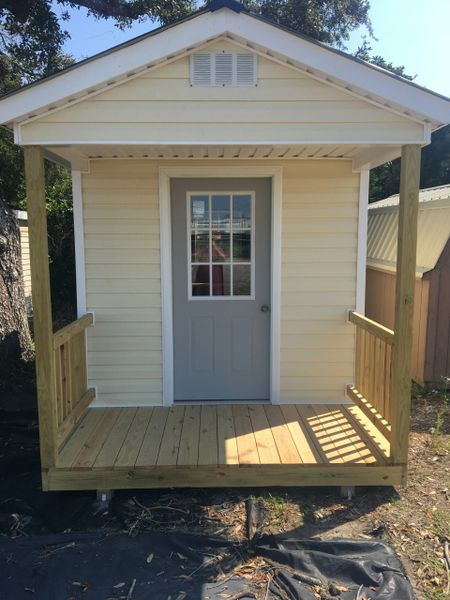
(347, 491)
(404, 302)
(104, 498)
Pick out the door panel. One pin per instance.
(221, 279)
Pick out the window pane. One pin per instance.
(199, 213)
(200, 247)
(242, 211)
(200, 280)
(220, 209)
(241, 280)
(221, 280)
(242, 246)
(220, 246)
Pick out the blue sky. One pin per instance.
(413, 33)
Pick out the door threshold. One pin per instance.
(218, 402)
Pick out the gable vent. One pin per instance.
(223, 69)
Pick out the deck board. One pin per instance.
(220, 439)
(227, 451)
(111, 448)
(265, 442)
(208, 443)
(170, 443)
(148, 453)
(245, 438)
(133, 440)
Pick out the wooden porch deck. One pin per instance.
(225, 445)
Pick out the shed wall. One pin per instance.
(437, 363)
(380, 307)
(123, 279)
(161, 106)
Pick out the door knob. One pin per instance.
(265, 308)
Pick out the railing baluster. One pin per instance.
(373, 352)
(73, 396)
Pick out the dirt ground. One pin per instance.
(414, 520)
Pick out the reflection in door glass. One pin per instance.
(220, 246)
(200, 247)
(242, 246)
(221, 280)
(221, 256)
(200, 213)
(242, 211)
(241, 280)
(200, 280)
(220, 211)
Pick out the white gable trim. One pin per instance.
(315, 58)
(244, 44)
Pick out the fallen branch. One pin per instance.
(447, 565)
(131, 590)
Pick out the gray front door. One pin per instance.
(221, 288)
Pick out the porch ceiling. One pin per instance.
(362, 155)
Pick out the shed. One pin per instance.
(220, 173)
(22, 222)
(431, 328)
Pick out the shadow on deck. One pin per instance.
(223, 445)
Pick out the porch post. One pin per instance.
(42, 308)
(404, 301)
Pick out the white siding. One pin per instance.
(319, 245)
(162, 107)
(121, 228)
(319, 250)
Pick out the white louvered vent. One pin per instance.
(223, 69)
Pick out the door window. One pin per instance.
(221, 253)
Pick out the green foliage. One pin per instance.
(364, 53)
(329, 21)
(12, 184)
(435, 168)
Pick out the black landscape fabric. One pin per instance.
(163, 566)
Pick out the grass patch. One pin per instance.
(441, 524)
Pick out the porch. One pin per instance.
(223, 445)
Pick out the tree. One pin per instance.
(15, 340)
(434, 170)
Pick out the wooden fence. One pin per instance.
(72, 394)
(373, 362)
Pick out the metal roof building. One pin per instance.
(431, 333)
(433, 230)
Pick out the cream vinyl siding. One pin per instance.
(121, 232)
(319, 251)
(162, 107)
(319, 245)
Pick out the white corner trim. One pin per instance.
(79, 242)
(165, 175)
(362, 241)
(165, 236)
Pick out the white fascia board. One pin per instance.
(373, 157)
(351, 72)
(113, 65)
(207, 26)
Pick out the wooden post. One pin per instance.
(404, 302)
(42, 307)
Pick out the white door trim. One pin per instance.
(165, 175)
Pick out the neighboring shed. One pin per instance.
(22, 222)
(431, 337)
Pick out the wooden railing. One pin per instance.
(72, 394)
(373, 358)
